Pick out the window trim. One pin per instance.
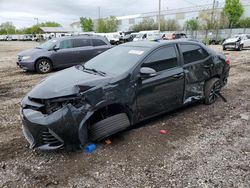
(92, 40)
(194, 62)
(164, 46)
(73, 44)
(91, 44)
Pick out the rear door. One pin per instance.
(83, 49)
(164, 91)
(198, 67)
(63, 57)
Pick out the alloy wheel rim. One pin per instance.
(214, 92)
(44, 66)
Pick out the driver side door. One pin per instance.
(163, 91)
(65, 55)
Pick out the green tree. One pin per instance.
(145, 24)
(7, 28)
(36, 28)
(49, 24)
(233, 9)
(243, 23)
(101, 26)
(191, 25)
(150, 24)
(111, 24)
(170, 25)
(86, 24)
(223, 21)
(106, 25)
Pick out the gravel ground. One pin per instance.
(205, 146)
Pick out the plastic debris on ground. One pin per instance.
(108, 141)
(90, 148)
(163, 132)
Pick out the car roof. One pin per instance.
(153, 44)
(81, 36)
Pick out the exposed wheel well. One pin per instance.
(43, 58)
(107, 111)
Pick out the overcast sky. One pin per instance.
(23, 12)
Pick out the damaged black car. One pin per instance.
(119, 88)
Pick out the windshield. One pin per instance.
(117, 60)
(48, 45)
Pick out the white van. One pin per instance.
(112, 37)
(146, 35)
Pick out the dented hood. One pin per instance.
(66, 82)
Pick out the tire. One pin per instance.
(108, 126)
(212, 89)
(224, 48)
(240, 47)
(43, 66)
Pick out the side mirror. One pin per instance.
(56, 48)
(147, 72)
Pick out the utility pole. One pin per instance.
(99, 13)
(36, 21)
(159, 17)
(212, 15)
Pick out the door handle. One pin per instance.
(180, 75)
(208, 66)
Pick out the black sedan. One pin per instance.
(119, 88)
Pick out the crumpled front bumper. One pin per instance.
(53, 131)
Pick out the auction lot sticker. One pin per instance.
(136, 52)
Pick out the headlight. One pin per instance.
(25, 57)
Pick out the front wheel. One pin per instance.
(108, 126)
(212, 90)
(43, 66)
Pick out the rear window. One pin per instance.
(192, 53)
(82, 42)
(98, 42)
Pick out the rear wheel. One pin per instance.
(240, 47)
(108, 126)
(43, 66)
(212, 90)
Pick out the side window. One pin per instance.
(81, 42)
(66, 44)
(192, 53)
(248, 36)
(98, 42)
(162, 59)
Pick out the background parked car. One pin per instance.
(238, 42)
(62, 52)
(172, 36)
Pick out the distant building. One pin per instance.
(76, 26)
(56, 31)
(180, 15)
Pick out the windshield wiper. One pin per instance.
(94, 70)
